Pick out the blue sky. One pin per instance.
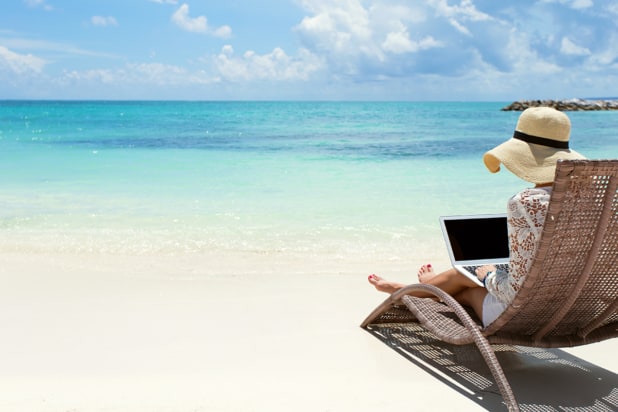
(308, 49)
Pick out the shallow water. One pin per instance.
(309, 178)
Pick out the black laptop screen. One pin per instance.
(478, 238)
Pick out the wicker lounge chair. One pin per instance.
(569, 297)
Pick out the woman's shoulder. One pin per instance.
(532, 195)
(543, 190)
(535, 192)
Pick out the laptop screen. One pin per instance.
(477, 238)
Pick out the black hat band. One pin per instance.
(528, 138)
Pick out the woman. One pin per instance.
(541, 137)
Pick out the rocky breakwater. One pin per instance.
(564, 105)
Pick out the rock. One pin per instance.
(564, 105)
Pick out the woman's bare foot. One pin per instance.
(383, 285)
(426, 273)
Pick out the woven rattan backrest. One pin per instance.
(572, 286)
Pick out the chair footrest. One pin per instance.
(440, 319)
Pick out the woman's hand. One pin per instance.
(483, 271)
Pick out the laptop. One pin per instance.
(476, 240)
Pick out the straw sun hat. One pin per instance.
(541, 138)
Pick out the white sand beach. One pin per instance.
(107, 333)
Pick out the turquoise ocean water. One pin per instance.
(310, 178)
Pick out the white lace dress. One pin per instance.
(525, 217)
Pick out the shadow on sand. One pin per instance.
(541, 379)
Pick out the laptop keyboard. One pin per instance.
(501, 266)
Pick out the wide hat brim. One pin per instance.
(531, 162)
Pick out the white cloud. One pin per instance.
(525, 59)
(612, 8)
(450, 47)
(459, 27)
(157, 73)
(400, 42)
(152, 74)
(39, 3)
(582, 4)
(182, 20)
(574, 4)
(197, 24)
(456, 15)
(49, 46)
(223, 32)
(340, 26)
(276, 65)
(104, 76)
(607, 57)
(466, 10)
(226, 66)
(570, 48)
(20, 63)
(348, 33)
(103, 21)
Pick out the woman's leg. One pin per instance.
(473, 298)
(383, 285)
(425, 273)
(450, 281)
(464, 290)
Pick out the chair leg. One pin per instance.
(473, 332)
(472, 328)
(496, 370)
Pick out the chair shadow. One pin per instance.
(541, 379)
